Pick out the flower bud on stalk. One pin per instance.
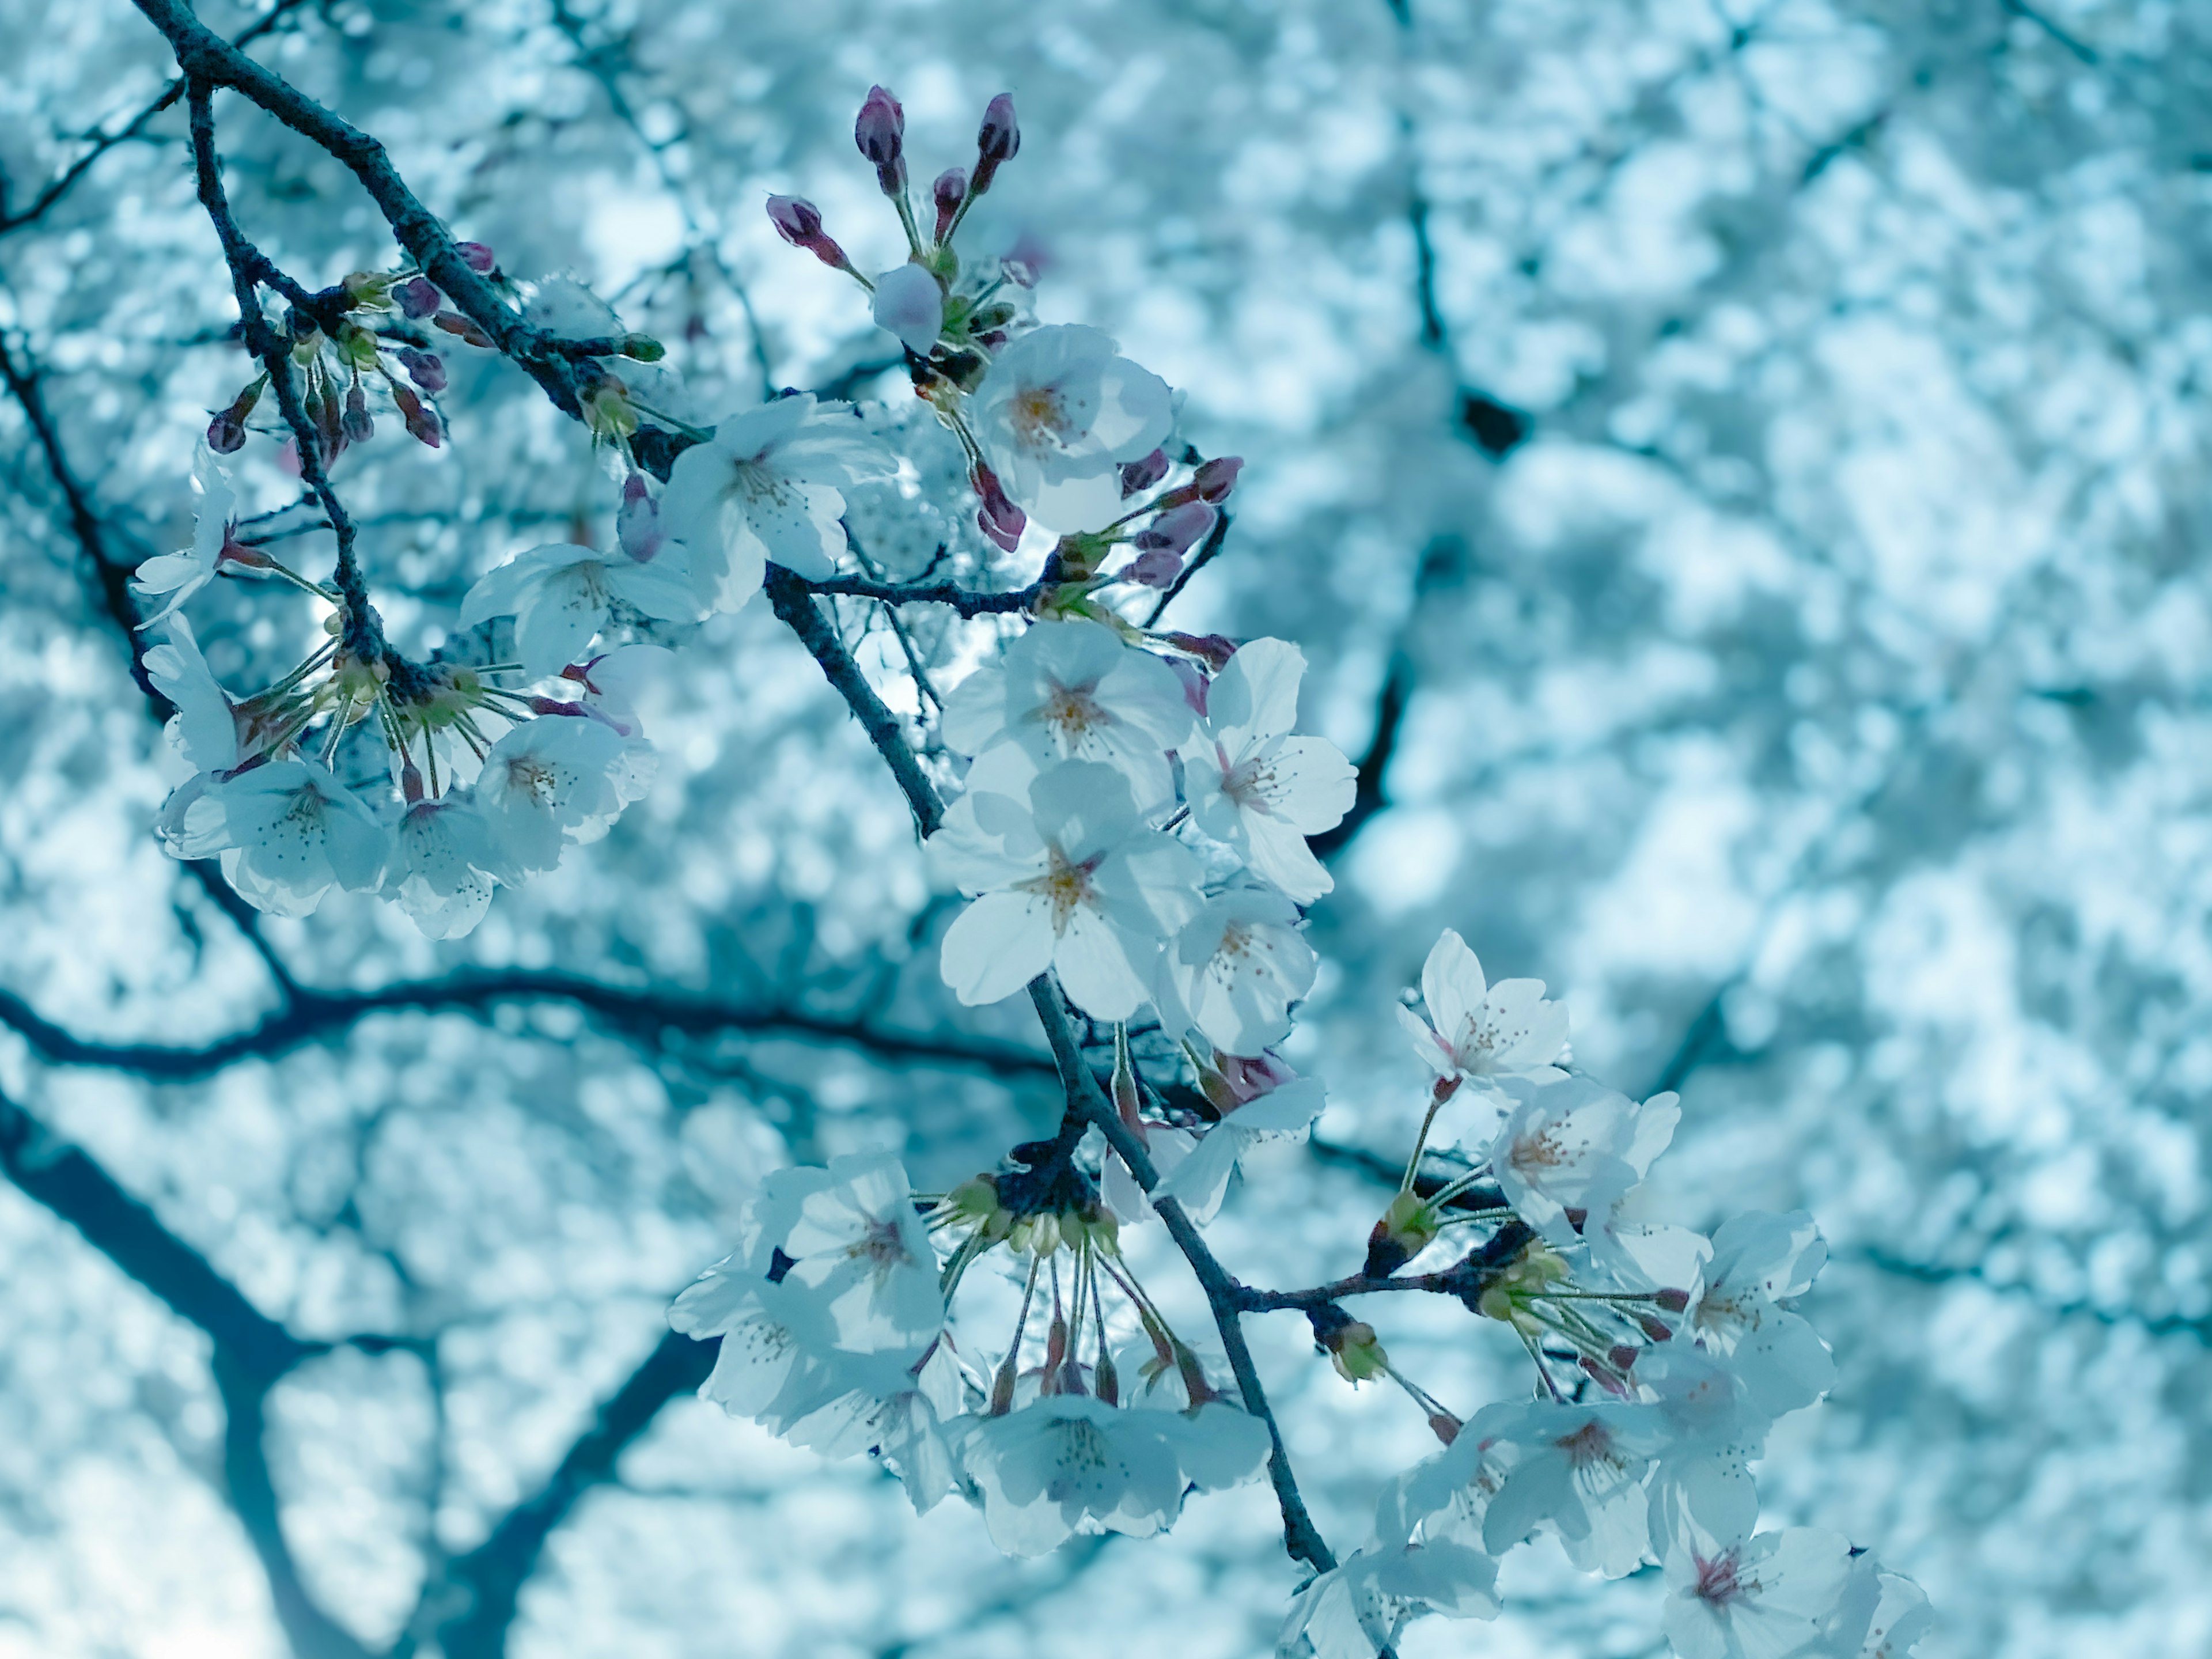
(355, 423)
(418, 297)
(1141, 475)
(881, 132)
(950, 191)
(426, 369)
(1407, 1229)
(799, 222)
(422, 421)
(454, 322)
(999, 141)
(479, 259)
(1351, 1344)
(226, 433)
(998, 518)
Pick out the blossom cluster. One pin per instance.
(1132, 832)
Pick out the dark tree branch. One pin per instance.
(206, 57)
(643, 1015)
(101, 142)
(252, 1351)
(1369, 793)
(967, 602)
(488, 1581)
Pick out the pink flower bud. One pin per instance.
(418, 297)
(1658, 1330)
(999, 140)
(426, 369)
(480, 258)
(1218, 478)
(461, 328)
(1138, 475)
(999, 518)
(355, 423)
(1673, 1300)
(1176, 529)
(553, 706)
(637, 521)
(799, 223)
(421, 421)
(226, 433)
(1250, 1078)
(1213, 649)
(881, 132)
(1156, 567)
(950, 191)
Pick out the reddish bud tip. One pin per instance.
(1002, 521)
(797, 220)
(226, 433)
(418, 297)
(480, 258)
(1621, 1355)
(1656, 1329)
(998, 141)
(1156, 567)
(1213, 649)
(1175, 530)
(1218, 478)
(1673, 1300)
(1143, 475)
(1445, 1428)
(950, 191)
(426, 369)
(881, 132)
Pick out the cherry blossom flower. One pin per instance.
(1081, 887)
(1578, 1469)
(1069, 1463)
(561, 595)
(1058, 414)
(1266, 1099)
(766, 487)
(1480, 1031)
(1236, 968)
(1566, 1146)
(1253, 786)
(1362, 1606)
(908, 303)
(444, 865)
(1759, 1261)
(1901, 1616)
(550, 781)
(910, 1423)
(859, 1247)
(288, 832)
(1072, 690)
(1770, 1597)
(180, 576)
(203, 728)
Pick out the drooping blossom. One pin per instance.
(1253, 786)
(549, 782)
(1362, 1607)
(766, 487)
(203, 728)
(445, 864)
(1576, 1470)
(1058, 414)
(288, 832)
(1074, 881)
(561, 595)
(1480, 1031)
(175, 577)
(1071, 1462)
(1072, 690)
